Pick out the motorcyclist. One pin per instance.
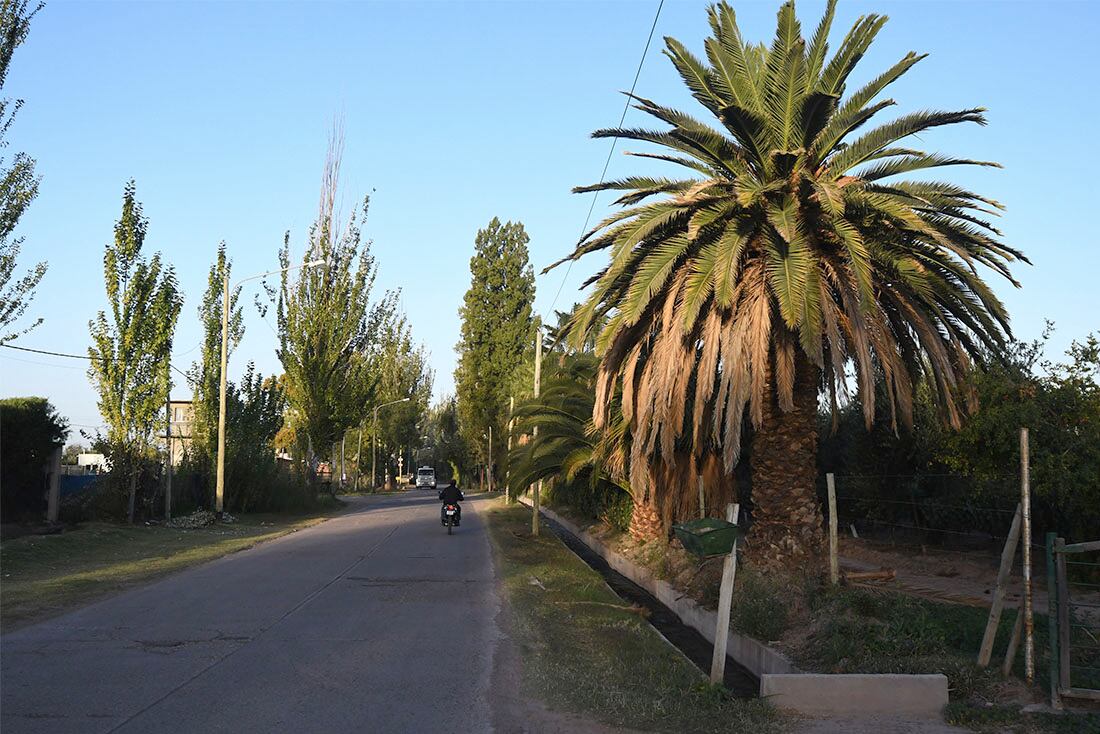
(451, 494)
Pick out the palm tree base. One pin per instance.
(645, 523)
(792, 546)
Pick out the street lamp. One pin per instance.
(374, 439)
(219, 492)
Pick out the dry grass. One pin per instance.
(45, 575)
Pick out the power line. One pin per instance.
(42, 364)
(57, 354)
(180, 354)
(614, 142)
(83, 356)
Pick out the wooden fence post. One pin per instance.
(1052, 621)
(1025, 504)
(1063, 614)
(53, 498)
(725, 601)
(1008, 553)
(834, 560)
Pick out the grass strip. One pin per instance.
(586, 652)
(45, 575)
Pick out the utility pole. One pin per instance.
(219, 491)
(511, 425)
(168, 443)
(343, 466)
(358, 453)
(490, 458)
(538, 384)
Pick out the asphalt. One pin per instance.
(375, 620)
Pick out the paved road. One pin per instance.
(374, 621)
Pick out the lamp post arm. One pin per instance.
(310, 264)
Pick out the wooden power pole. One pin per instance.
(538, 384)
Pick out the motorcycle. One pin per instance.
(450, 516)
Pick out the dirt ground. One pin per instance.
(958, 576)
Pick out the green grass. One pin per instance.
(865, 631)
(44, 575)
(584, 652)
(871, 631)
(994, 719)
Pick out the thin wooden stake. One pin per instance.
(834, 559)
(725, 601)
(702, 500)
(1013, 644)
(1008, 554)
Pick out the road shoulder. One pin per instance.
(579, 648)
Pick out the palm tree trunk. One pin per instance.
(787, 533)
(645, 522)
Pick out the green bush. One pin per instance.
(30, 431)
(617, 512)
(761, 606)
(254, 482)
(110, 500)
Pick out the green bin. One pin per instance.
(707, 536)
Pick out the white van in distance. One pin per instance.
(425, 478)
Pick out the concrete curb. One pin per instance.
(780, 680)
(758, 658)
(922, 696)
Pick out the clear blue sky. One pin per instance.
(458, 112)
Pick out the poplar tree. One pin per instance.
(131, 344)
(18, 183)
(497, 333)
(204, 375)
(328, 324)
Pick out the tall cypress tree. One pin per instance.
(497, 333)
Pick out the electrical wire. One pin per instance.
(83, 356)
(611, 152)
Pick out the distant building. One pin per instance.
(181, 419)
(92, 464)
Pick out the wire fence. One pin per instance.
(942, 535)
(945, 511)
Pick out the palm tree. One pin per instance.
(569, 448)
(566, 448)
(796, 251)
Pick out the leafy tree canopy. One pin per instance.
(18, 183)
